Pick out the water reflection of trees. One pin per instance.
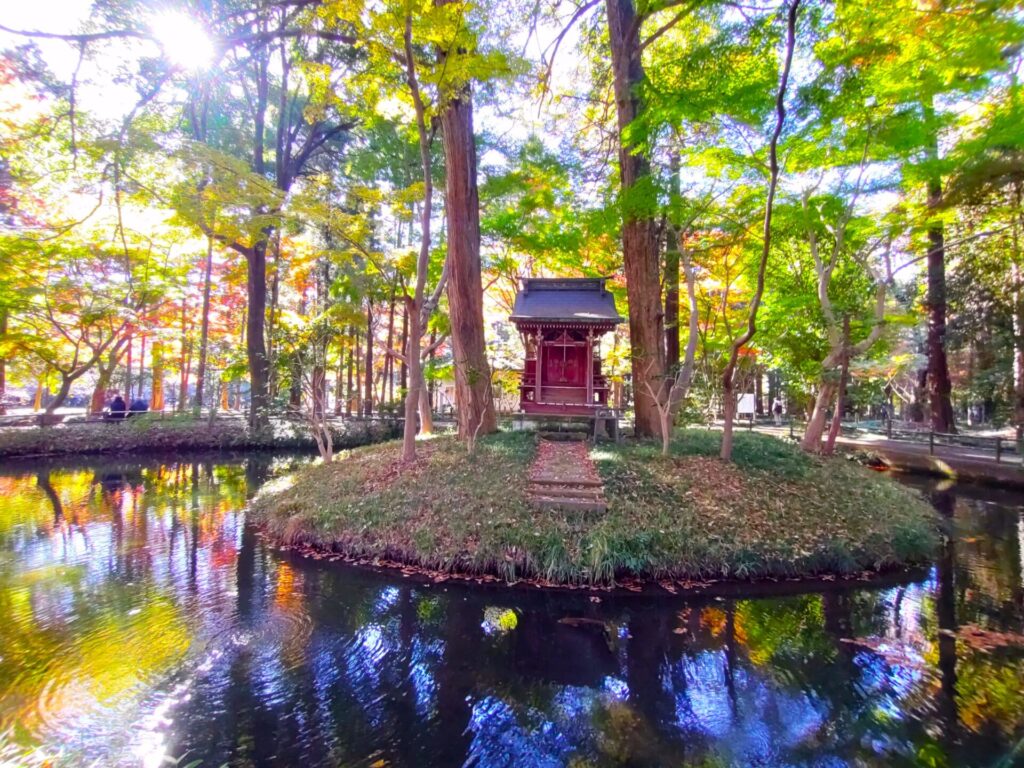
(291, 663)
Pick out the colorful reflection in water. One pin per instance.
(143, 621)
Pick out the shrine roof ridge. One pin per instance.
(565, 299)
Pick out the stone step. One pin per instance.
(562, 481)
(570, 505)
(568, 492)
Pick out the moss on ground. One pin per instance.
(183, 432)
(775, 512)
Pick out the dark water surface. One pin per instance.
(141, 620)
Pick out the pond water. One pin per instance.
(143, 622)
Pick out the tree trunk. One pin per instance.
(672, 276)
(204, 332)
(389, 361)
(815, 429)
(426, 412)
(403, 344)
(728, 376)
(129, 384)
(368, 403)
(939, 387)
(351, 369)
(255, 342)
(639, 242)
(473, 401)
(844, 373)
(156, 402)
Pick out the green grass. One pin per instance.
(775, 512)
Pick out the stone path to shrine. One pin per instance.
(564, 478)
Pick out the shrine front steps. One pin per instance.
(564, 479)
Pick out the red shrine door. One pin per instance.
(564, 369)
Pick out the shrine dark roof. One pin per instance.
(565, 300)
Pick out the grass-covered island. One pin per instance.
(776, 512)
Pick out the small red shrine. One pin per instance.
(561, 322)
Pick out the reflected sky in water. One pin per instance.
(143, 620)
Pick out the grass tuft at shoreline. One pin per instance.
(776, 512)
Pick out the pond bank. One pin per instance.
(677, 520)
(179, 433)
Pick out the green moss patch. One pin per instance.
(775, 512)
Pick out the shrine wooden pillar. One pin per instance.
(590, 367)
(540, 364)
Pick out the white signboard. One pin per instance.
(745, 406)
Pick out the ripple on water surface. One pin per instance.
(144, 621)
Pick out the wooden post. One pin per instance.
(539, 366)
(931, 442)
(590, 367)
(999, 449)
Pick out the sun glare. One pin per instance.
(183, 40)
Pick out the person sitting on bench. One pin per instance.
(117, 409)
(138, 406)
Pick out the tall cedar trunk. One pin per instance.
(403, 342)
(275, 295)
(156, 402)
(939, 386)
(474, 403)
(368, 404)
(355, 395)
(255, 344)
(1018, 319)
(729, 374)
(672, 276)
(204, 332)
(129, 385)
(389, 361)
(3, 362)
(639, 240)
(351, 367)
(142, 365)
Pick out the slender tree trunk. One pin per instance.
(275, 294)
(639, 241)
(368, 404)
(473, 401)
(729, 374)
(339, 381)
(939, 386)
(389, 361)
(204, 332)
(129, 387)
(142, 365)
(355, 395)
(350, 366)
(37, 400)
